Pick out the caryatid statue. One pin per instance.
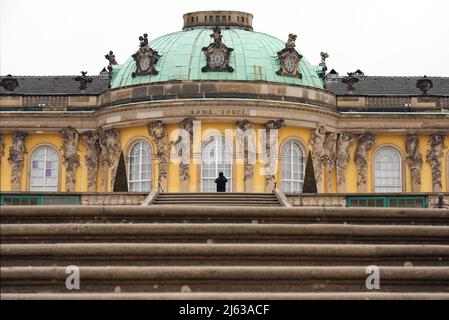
(414, 161)
(16, 157)
(433, 156)
(245, 137)
(109, 155)
(71, 159)
(1, 148)
(183, 147)
(316, 141)
(92, 145)
(271, 153)
(330, 155)
(365, 143)
(345, 140)
(158, 131)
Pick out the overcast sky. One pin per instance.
(382, 37)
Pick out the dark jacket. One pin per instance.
(221, 184)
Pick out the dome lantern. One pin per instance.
(218, 18)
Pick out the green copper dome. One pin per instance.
(254, 59)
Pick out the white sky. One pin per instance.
(382, 37)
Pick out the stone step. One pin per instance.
(220, 194)
(223, 279)
(224, 233)
(144, 254)
(372, 295)
(217, 199)
(212, 203)
(217, 195)
(149, 214)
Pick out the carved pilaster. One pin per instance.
(183, 149)
(433, 156)
(330, 157)
(270, 177)
(158, 131)
(71, 159)
(248, 152)
(414, 161)
(345, 140)
(92, 145)
(316, 141)
(16, 158)
(365, 143)
(109, 156)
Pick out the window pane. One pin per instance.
(44, 174)
(292, 167)
(387, 170)
(139, 170)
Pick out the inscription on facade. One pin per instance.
(217, 112)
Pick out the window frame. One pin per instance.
(401, 187)
(281, 162)
(30, 167)
(129, 149)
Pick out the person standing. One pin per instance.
(221, 182)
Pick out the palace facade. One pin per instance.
(365, 134)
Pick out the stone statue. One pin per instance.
(71, 159)
(365, 143)
(111, 58)
(1, 148)
(433, 156)
(110, 155)
(270, 177)
(330, 156)
(290, 44)
(324, 56)
(91, 143)
(245, 125)
(316, 141)
(9, 83)
(345, 140)
(158, 131)
(143, 40)
(350, 80)
(216, 35)
(83, 80)
(424, 84)
(414, 161)
(16, 158)
(180, 146)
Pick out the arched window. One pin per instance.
(387, 170)
(292, 167)
(139, 167)
(44, 175)
(216, 157)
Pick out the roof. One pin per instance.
(56, 85)
(381, 86)
(254, 58)
(367, 86)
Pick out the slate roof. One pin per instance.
(381, 86)
(367, 86)
(56, 85)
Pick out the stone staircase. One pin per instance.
(228, 252)
(217, 199)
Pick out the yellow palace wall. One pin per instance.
(129, 135)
